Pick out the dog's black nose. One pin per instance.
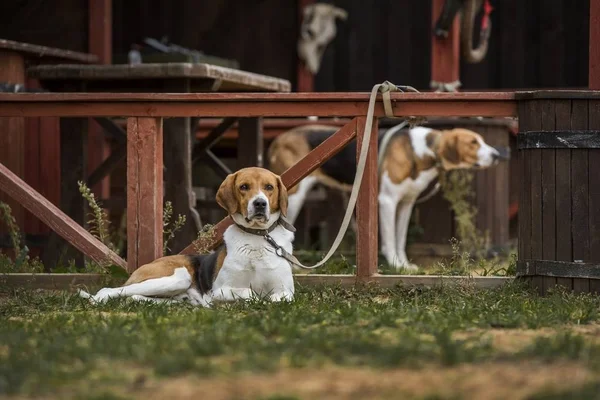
(260, 204)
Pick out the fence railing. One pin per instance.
(145, 113)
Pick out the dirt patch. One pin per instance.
(514, 340)
(485, 381)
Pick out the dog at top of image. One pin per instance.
(411, 160)
(245, 265)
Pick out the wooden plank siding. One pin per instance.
(559, 234)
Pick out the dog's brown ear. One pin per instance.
(449, 150)
(226, 197)
(283, 197)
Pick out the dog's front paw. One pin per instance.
(282, 296)
(401, 263)
(105, 294)
(408, 267)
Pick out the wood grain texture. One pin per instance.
(313, 160)
(231, 79)
(367, 247)
(594, 185)
(555, 139)
(58, 221)
(250, 143)
(563, 192)
(534, 119)
(579, 193)
(144, 191)
(12, 131)
(100, 30)
(35, 51)
(594, 51)
(445, 52)
(548, 204)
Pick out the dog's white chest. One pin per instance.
(251, 262)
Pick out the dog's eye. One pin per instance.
(474, 141)
(269, 187)
(244, 187)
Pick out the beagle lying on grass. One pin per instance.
(247, 264)
(411, 160)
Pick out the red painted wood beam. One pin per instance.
(367, 206)
(306, 80)
(99, 44)
(144, 191)
(445, 52)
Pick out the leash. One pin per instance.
(385, 89)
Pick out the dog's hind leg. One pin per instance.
(167, 286)
(296, 200)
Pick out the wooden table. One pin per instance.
(15, 145)
(177, 139)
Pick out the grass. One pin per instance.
(329, 343)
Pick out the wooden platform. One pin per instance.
(219, 78)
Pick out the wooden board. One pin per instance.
(548, 204)
(253, 105)
(229, 79)
(32, 50)
(367, 214)
(144, 191)
(579, 188)
(594, 52)
(251, 140)
(563, 192)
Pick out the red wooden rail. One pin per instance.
(145, 111)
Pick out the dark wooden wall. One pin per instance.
(58, 23)
(259, 34)
(535, 43)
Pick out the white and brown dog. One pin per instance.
(246, 265)
(411, 161)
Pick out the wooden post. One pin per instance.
(366, 206)
(306, 80)
(99, 44)
(594, 57)
(12, 130)
(144, 191)
(250, 142)
(445, 52)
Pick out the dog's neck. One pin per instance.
(275, 220)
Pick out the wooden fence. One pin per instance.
(145, 113)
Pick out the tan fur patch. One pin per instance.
(160, 268)
(458, 148)
(400, 161)
(291, 146)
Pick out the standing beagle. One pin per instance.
(411, 160)
(246, 264)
